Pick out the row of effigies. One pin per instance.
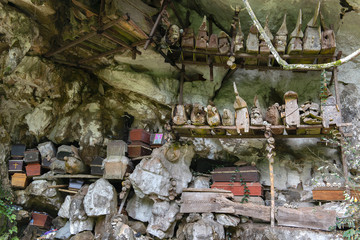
(294, 118)
(315, 40)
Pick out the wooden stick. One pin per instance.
(123, 201)
(181, 87)
(58, 186)
(270, 156)
(67, 191)
(163, 7)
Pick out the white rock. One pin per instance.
(47, 150)
(162, 221)
(140, 208)
(227, 220)
(101, 198)
(65, 208)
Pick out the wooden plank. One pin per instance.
(214, 190)
(253, 210)
(68, 191)
(58, 186)
(308, 217)
(66, 176)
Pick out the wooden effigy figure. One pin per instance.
(228, 120)
(312, 38)
(198, 118)
(273, 117)
(295, 45)
(292, 115)
(242, 120)
(178, 115)
(256, 117)
(252, 45)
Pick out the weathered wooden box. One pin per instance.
(32, 156)
(332, 193)
(96, 166)
(115, 169)
(41, 220)
(157, 140)
(16, 166)
(19, 180)
(138, 149)
(255, 188)
(75, 184)
(228, 174)
(17, 151)
(116, 148)
(33, 169)
(140, 135)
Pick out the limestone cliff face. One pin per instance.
(41, 99)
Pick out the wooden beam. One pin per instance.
(121, 43)
(151, 35)
(181, 87)
(113, 51)
(67, 176)
(67, 191)
(83, 38)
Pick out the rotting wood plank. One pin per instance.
(66, 176)
(162, 10)
(307, 217)
(113, 51)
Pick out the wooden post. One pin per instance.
(342, 141)
(181, 87)
(163, 7)
(270, 155)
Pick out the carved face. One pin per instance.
(173, 34)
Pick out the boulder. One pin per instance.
(74, 165)
(47, 150)
(64, 211)
(101, 198)
(64, 232)
(79, 221)
(86, 235)
(138, 227)
(204, 228)
(140, 208)
(200, 182)
(121, 230)
(227, 220)
(162, 221)
(153, 177)
(103, 227)
(59, 222)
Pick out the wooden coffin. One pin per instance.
(328, 194)
(19, 180)
(201, 41)
(75, 184)
(239, 39)
(119, 147)
(228, 174)
(295, 45)
(139, 149)
(224, 46)
(252, 45)
(115, 169)
(213, 47)
(16, 166)
(17, 151)
(96, 165)
(307, 217)
(140, 135)
(33, 169)
(41, 220)
(32, 156)
(202, 200)
(331, 193)
(237, 188)
(312, 38)
(157, 140)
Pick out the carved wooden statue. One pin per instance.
(264, 49)
(198, 115)
(242, 120)
(179, 115)
(295, 44)
(281, 38)
(252, 45)
(292, 115)
(256, 117)
(212, 116)
(312, 37)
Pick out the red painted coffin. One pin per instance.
(138, 149)
(235, 174)
(238, 190)
(33, 169)
(41, 220)
(140, 135)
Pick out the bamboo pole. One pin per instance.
(282, 62)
